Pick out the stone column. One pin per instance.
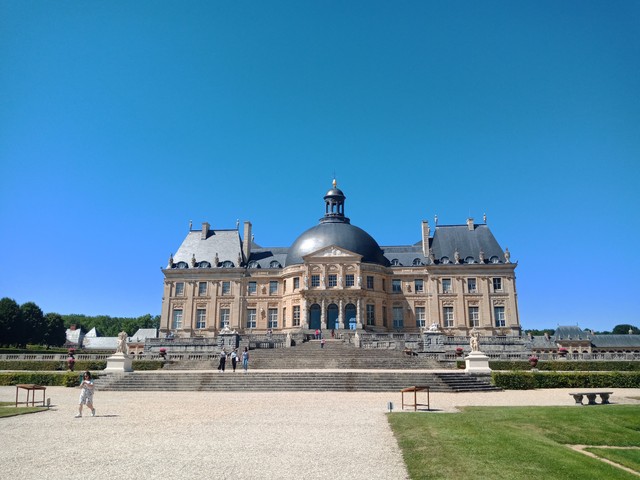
(340, 313)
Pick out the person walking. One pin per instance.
(223, 361)
(234, 359)
(245, 359)
(86, 394)
(322, 343)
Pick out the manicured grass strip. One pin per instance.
(516, 442)
(630, 458)
(8, 409)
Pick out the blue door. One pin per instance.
(314, 317)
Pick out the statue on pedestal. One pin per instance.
(474, 342)
(122, 343)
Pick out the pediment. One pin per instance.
(332, 252)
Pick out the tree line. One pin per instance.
(621, 329)
(27, 324)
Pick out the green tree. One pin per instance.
(10, 321)
(624, 329)
(34, 326)
(55, 331)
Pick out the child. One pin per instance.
(86, 394)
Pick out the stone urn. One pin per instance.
(533, 361)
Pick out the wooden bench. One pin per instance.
(591, 396)
(415, 390)
(31, 392)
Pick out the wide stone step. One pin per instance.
(288, 381)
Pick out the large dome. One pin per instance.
(342, 235)
(335, 229)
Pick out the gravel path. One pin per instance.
(189, 435)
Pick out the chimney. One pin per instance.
(470, 224)
(425, 237)
(248, 238)
(205, 230)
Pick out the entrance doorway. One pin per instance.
(315, 313)
(350, 316)
(332, 316)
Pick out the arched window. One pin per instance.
(182, 265)
(444, 260)
(417, 262)
(395, 262)
(227, 264)
(469, 259)
(494, 259)
(204, 264)
(274, 264)
(253, 264)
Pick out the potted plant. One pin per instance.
(459, 351)
(163, 353)
(562, 352)
(533, 361)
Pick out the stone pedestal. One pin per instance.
(477, 362)
(118, 363)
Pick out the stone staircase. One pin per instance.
(336, 354)
(338, 367)
(293, 381)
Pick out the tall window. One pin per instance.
(349, 280)
(446, 285)
(384, 315)
(251, 318)
(315, 280)
(472, 286)
(284, 317)
(179, 289)
(225, 315)
(370, 282)
(333, 280)
(226, 288)
(498, 313)
(384, 285)
(497, 284)
(447, 313)
(273, 318)
(177, 319)
(398, 320)
(273, 287)
(420, 317)
(418, 285)
(252, 288)
(296, 283)
(201, 318)
(474, 316)
(396, 285)
(202, 289)
(371, 314)
(296, 315)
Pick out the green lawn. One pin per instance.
(515, 442)
(628, 458)
(8, 409)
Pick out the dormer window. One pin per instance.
(395, 262)
(416, 262)
(227, 264)
(274, 264)
(444, 260)
(469, 260)
(253, 264)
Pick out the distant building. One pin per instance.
(578, 341)
(336, 276)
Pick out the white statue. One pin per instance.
(122, 343)
(474, 342)
(434, 327)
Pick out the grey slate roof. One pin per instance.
(615, 341)
(570, 332)
(405, 254)
(469, 243)
(225, 243)
(264, 256)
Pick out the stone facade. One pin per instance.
(335, 276)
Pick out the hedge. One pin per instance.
(80, 365)
(67, 379)
(531, 380)
(568, 365)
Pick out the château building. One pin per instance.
(336, 276)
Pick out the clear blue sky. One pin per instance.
(121, 121)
